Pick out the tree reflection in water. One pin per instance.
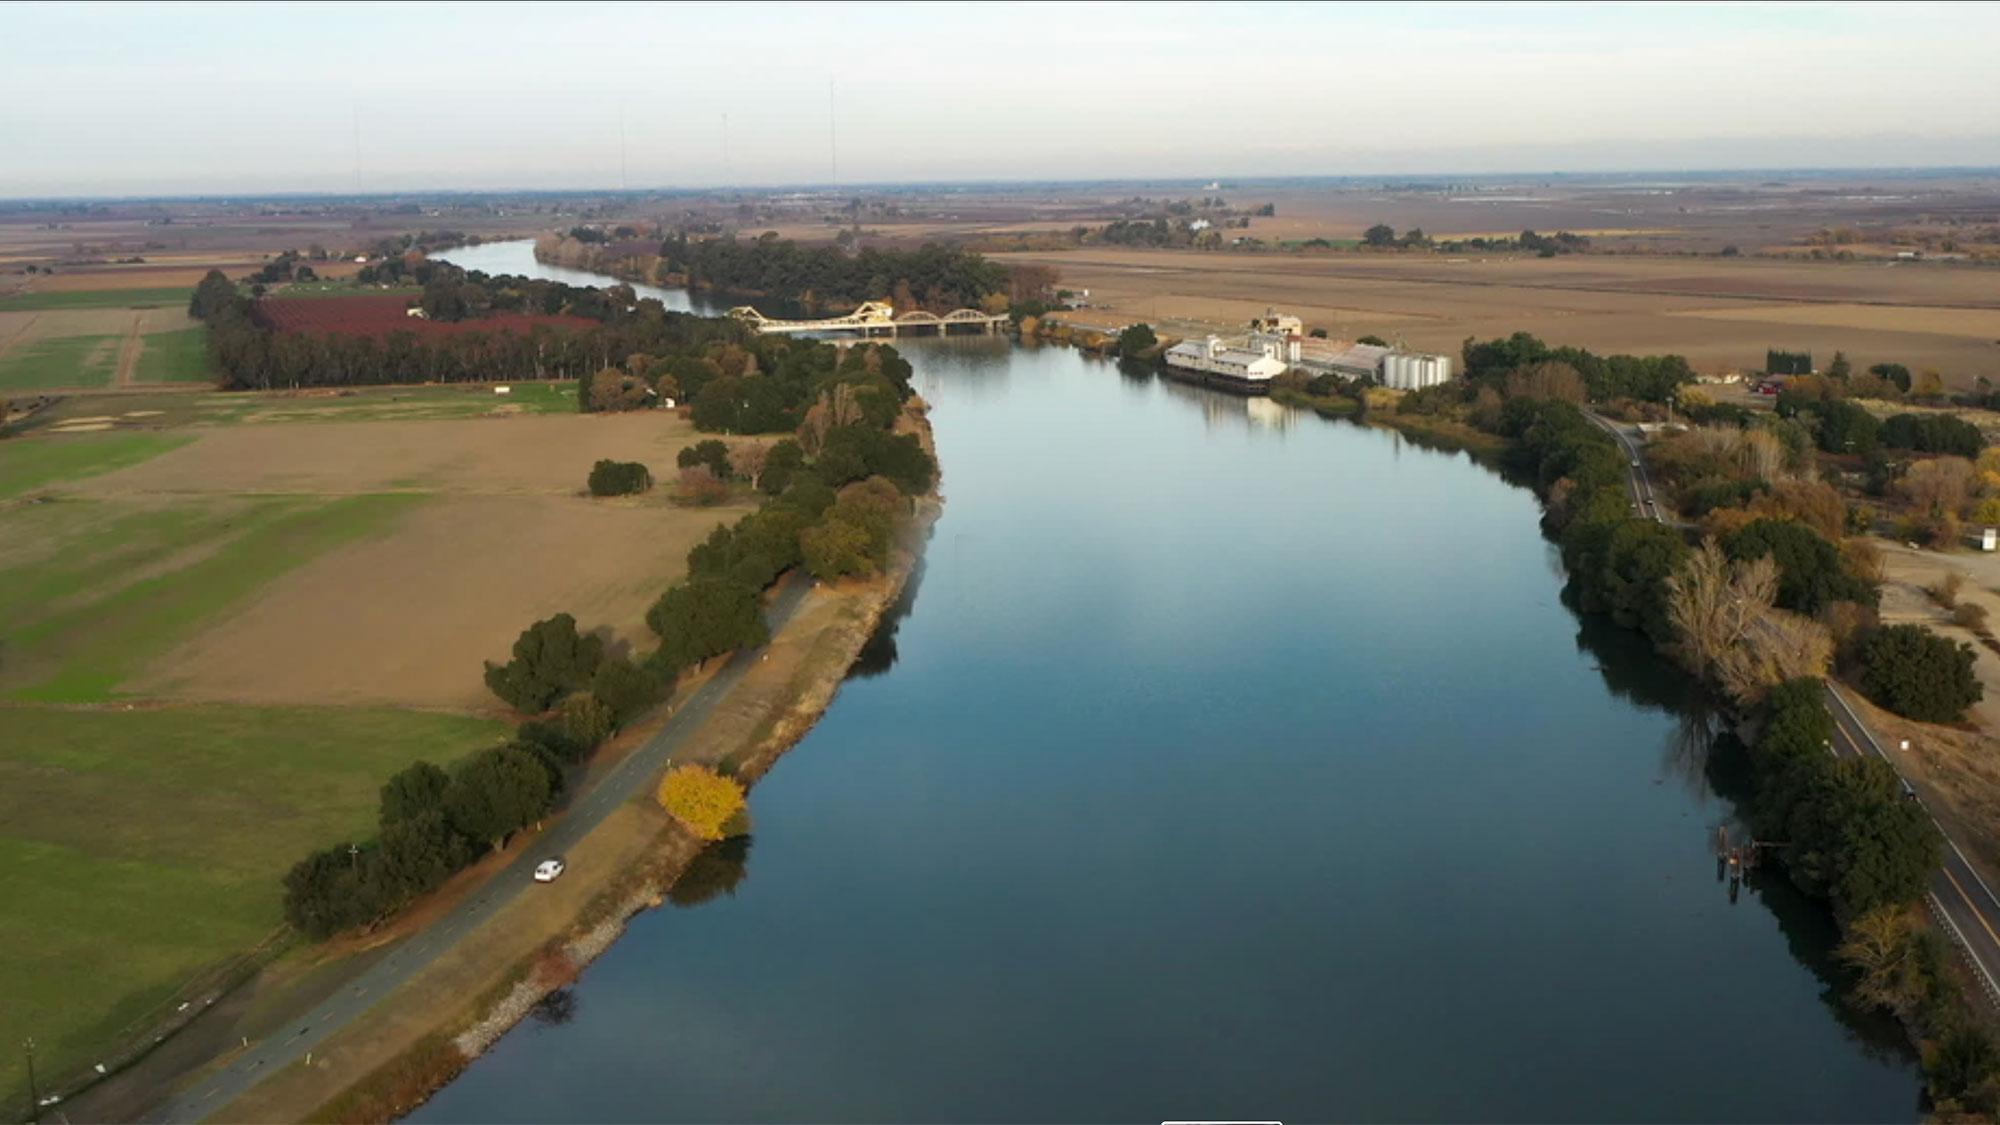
(718, 870)
(879, 654)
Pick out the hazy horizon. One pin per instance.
(204, 99)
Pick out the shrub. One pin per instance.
(551, 659)
(1136, 339)
(619, 478)
(1933, 433)
(1918, 674)
(1970, 616)
(700, 487)
(713, 453)
(701, 799)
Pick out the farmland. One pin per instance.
(96, 299)
(220, 632)
(1720, 313)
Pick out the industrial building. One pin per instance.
(1238, 369)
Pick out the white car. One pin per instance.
(549, 870)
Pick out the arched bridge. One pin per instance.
(875, 318)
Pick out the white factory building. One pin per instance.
(1239, 368)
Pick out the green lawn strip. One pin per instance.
(139, 847)
(97, 299)
(180, 356)
(61, 361)
(57, 555)
(81, 655)
(30, 463)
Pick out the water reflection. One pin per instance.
(557, 1008)
(716, 872)
(879, 654)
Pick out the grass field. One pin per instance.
(96, 590)
(139, 847)
(61, 361)
(28, 465)
(174, 357)
(96, 299)
(367, 404)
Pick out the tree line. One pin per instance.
(251, 355)
(823, 278)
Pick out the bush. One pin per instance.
(1970, 616)
(619, 478)
(551, 659)
(1136, 339)
(701, 799)
(700, 487)
(712, 453)
(1918, 674)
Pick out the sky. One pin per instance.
(114, 99)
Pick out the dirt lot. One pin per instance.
(1720, 313)
(405, 617)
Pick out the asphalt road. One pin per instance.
(585, 811)
(1958, 897)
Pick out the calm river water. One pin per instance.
(1228, 763)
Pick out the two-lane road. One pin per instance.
(1959, 899)
(589, 807)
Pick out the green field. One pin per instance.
(364, 404)
(93, 591)
(180, 356)
(97, 299)
(60, 361)
(139, 847)
(28, 465)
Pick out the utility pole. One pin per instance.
(354, 855)
(34, 1092)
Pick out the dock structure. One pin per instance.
(876, 318)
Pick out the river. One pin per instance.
(1225, 762)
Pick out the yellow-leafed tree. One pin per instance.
(701, 799)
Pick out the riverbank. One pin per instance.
(388, 1058)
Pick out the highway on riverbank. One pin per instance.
(585, 811)
(1958, 897)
